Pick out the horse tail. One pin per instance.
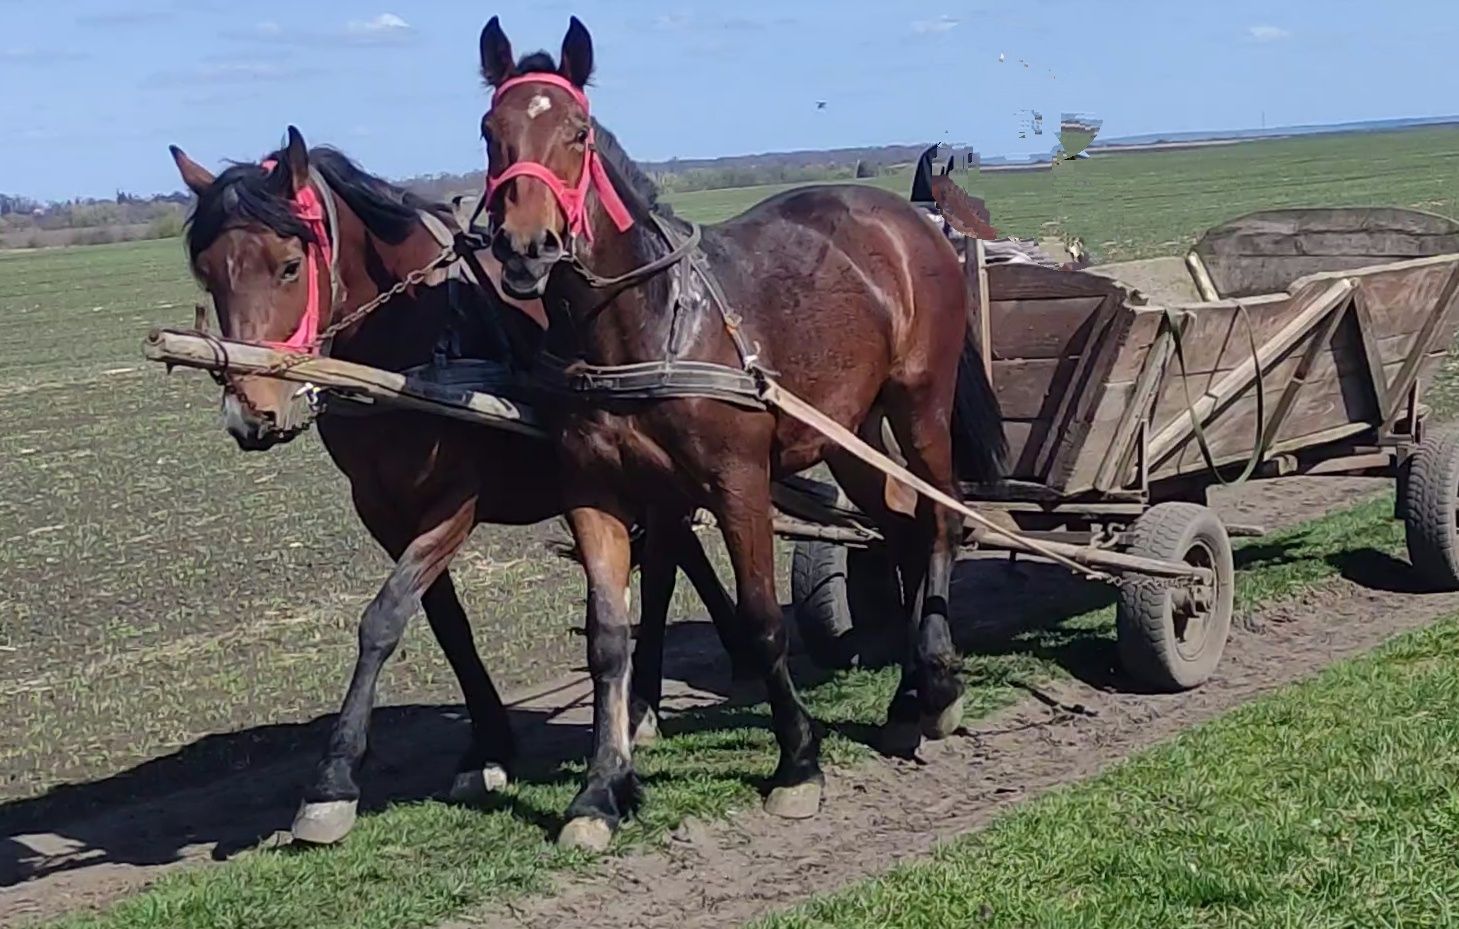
(979, 448)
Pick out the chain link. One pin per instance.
(446, 256)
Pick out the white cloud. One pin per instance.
(383, 24)
(1267, 33)
(943, 23)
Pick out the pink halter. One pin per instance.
(572, 200)
(309, 209)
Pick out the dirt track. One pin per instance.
(91, 843)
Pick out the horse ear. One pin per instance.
(497, 63)
(296, 160)
(576, 61)
(195, 176)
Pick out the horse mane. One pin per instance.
(630, 180)
(247, 193)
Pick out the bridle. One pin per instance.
(573, 199)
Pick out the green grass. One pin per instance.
(155, 584)
(1334, 803)
(1138, 206)
(417, 863)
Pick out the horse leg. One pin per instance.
(705, 579)
(743, 509)
(328, 811)
(930, 693)
(656, 578)
(485, 766)
(611, 788)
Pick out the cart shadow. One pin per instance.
(1381, 571)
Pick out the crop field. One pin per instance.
(161, 592)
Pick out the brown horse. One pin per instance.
(846, 291)
(419, 482)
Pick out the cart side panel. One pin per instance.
(1265, 252)
(1054, 338)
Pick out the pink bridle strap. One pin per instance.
(309, 210)
(573, 201)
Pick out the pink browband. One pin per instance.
(309, 209)
(572, 200)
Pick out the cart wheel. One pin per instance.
(1430, 500)
(843, 598)
(1170, 637)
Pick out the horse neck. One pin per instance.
(634, 325)
(402, 331)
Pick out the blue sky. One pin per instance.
(91, 93)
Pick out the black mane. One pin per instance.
(635, 181)
(246, 193)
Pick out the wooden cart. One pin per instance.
(1335, 317)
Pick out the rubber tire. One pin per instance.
(841, 599)
(1430, 500)
(1148, 647)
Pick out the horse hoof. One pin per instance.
(588, 833)
(801, 801)
(647, 732)
(324, 823)
(476, 786)
(945, 723)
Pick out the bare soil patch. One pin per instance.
(86, 844)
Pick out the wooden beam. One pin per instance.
(1147, 387)
(1299, 379)
(1201, 277)
(1369, 343)
(1242, 376)
(1443, 309)
(985, 311)
(196, 351)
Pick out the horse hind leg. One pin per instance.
(485, 766)
(330, 803)
(930, 693)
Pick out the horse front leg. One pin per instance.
(332, 800)
(670, 544)
(610, 791)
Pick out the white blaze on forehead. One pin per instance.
(538, 105)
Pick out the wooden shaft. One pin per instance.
(196, 351)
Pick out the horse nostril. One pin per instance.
(551, 244)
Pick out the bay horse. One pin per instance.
(263, 244)
(846, 292)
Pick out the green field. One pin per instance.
(1332, 804)
(415, 864)
(156, 585)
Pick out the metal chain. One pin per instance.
(446, 256)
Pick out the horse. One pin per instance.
(272, 243)
(846, 291)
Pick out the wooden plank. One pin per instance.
(1052, 327)
(1373, 245)
(1024, 438)
(1065, 427)
(1120, 455)
(1443, 313)
(1298, 378)
(1017, 281)
(1202, 277)
(190, 350)
(1368, 346)
(985, 336)
(1030, 389)
(1314, 308)
(1075, 428)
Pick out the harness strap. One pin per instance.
(1258, 448)
(649, 380)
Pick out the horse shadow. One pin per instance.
(235, 790)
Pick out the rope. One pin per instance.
(1258, 449)
(784, 400)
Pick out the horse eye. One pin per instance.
(290, 271)
(582, 137)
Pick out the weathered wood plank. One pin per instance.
(1031, 389)
(1055, 327)
(1314, 307)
